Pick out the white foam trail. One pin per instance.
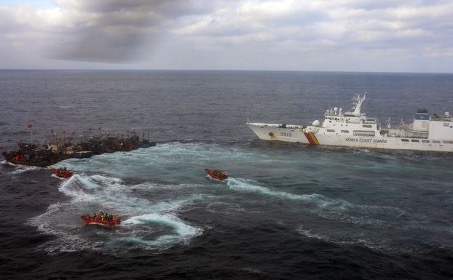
(21, 168)
(180, 232)
(335, 209)
(59, 221)
(244, 185)
(166, 219)
(151, 224)
(382, 245)
(113, 193)
(320, 200)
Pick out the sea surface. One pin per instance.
(288, 211)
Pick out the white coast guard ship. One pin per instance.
(355, 129)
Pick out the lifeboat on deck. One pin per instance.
(215, 174)
(101, 219)
(62, 172)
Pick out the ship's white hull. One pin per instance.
(275, 132)
(298, 134)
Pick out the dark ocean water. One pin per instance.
(287, 211)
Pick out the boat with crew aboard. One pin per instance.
(216, 174)
(355, 129)
(62, 172)
(101, 218)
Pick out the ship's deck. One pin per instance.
(278, 125)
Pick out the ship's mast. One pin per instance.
(358, 104)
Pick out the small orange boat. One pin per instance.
(62, 172)
(215, 174)
(101, 219)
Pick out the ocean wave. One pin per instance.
(19, 169)
(147, 223)
(171, 230)
(383, 245)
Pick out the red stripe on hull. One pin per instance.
(311, 138)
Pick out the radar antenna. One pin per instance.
(357, 104)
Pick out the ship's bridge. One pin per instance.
(336, 116)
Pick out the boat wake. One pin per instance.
(154, 190)
(318, 203)
(157, 230)
(18, 169)
(365, 218)
(147, 223)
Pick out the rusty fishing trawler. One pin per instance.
(61, 149)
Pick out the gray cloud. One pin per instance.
(116, 31)
(351, 35)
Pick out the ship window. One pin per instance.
(414, 140)
(435, 141)
(345, 131)
(363, 133)
(425, 141)
(366, 125)
(330, 130)
(448, 142)
(404, 140)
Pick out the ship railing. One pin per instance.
(441, 119)
(291, 126)
(279, 125)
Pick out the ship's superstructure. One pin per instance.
(355, 129)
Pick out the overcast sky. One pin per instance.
(316, 35)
